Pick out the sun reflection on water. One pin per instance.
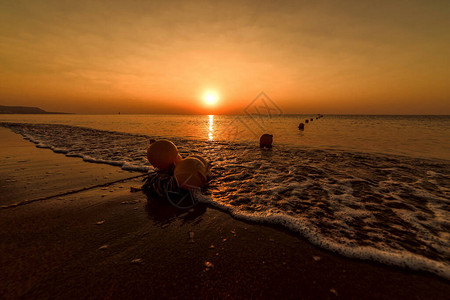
(210, 128)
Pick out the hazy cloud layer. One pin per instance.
(159, 56)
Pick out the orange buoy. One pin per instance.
(163, 154)
(203, 160)
(190, 173)
(177, 159)
(266, 140)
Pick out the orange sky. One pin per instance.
(369, 57)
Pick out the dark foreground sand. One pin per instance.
(107, 242)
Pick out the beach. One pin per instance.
(107, 242)
(220, 149)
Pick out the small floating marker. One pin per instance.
(208, 264)
(100, 222)
(301, 126)
(306, 121)
(312, 119)
(266, 141)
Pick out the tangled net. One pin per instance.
(157, 181)
(163, 185)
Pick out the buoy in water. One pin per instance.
(163, 154)
(301, 126)
(312, 119)
(306, 121)
(266, 141)
(190, 173)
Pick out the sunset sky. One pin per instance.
(368, 57)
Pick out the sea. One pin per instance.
(371, 187)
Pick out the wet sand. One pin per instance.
(29, 172)
(107, 242)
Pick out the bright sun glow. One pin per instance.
(211, 98)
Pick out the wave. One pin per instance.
(385, 208)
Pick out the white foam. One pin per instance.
(60, 150)
(42, 145)
(302, 226)
(136, 167)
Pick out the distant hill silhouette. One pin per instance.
(24, 110)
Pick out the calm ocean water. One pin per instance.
(369, 187)
(414, 136)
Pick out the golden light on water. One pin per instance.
(211, 127)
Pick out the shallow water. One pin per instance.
(383, 207)
(415, 136)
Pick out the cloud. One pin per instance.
(157, 52)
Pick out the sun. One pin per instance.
(211, 98)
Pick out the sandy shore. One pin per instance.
(107, 242)
(29, 172)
